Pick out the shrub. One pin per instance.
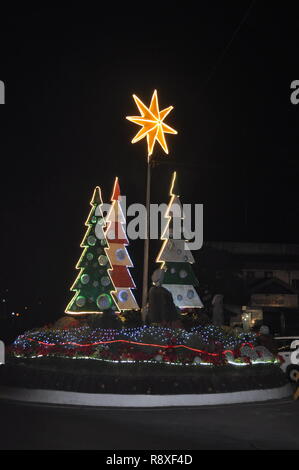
(197, 342)
(194, 318)
(67, 322)
(105, 320)
(131, 319)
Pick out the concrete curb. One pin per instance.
(58, 397)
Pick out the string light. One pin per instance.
(77, 341)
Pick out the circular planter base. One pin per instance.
(58, 397)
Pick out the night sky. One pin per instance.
(70, 75)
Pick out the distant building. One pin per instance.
(270, 278)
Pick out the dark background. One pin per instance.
(70, 74)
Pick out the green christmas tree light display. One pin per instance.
(93, 285)
(176, 257)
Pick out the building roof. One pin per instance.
(282, 249)
(271, 286)
(265, 256)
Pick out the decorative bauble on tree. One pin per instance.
(118, 255)
(176, 257)
(93, 284)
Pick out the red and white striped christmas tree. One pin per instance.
(118, 255)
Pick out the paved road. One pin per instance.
(252, 426)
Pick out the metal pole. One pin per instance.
(146, 241)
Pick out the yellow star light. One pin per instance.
(151, 120)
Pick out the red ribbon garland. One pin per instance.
(141, 344)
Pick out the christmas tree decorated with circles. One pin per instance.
(118, 255)
(176, 257)
(93, 284)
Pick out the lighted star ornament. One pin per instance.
(152, 122)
